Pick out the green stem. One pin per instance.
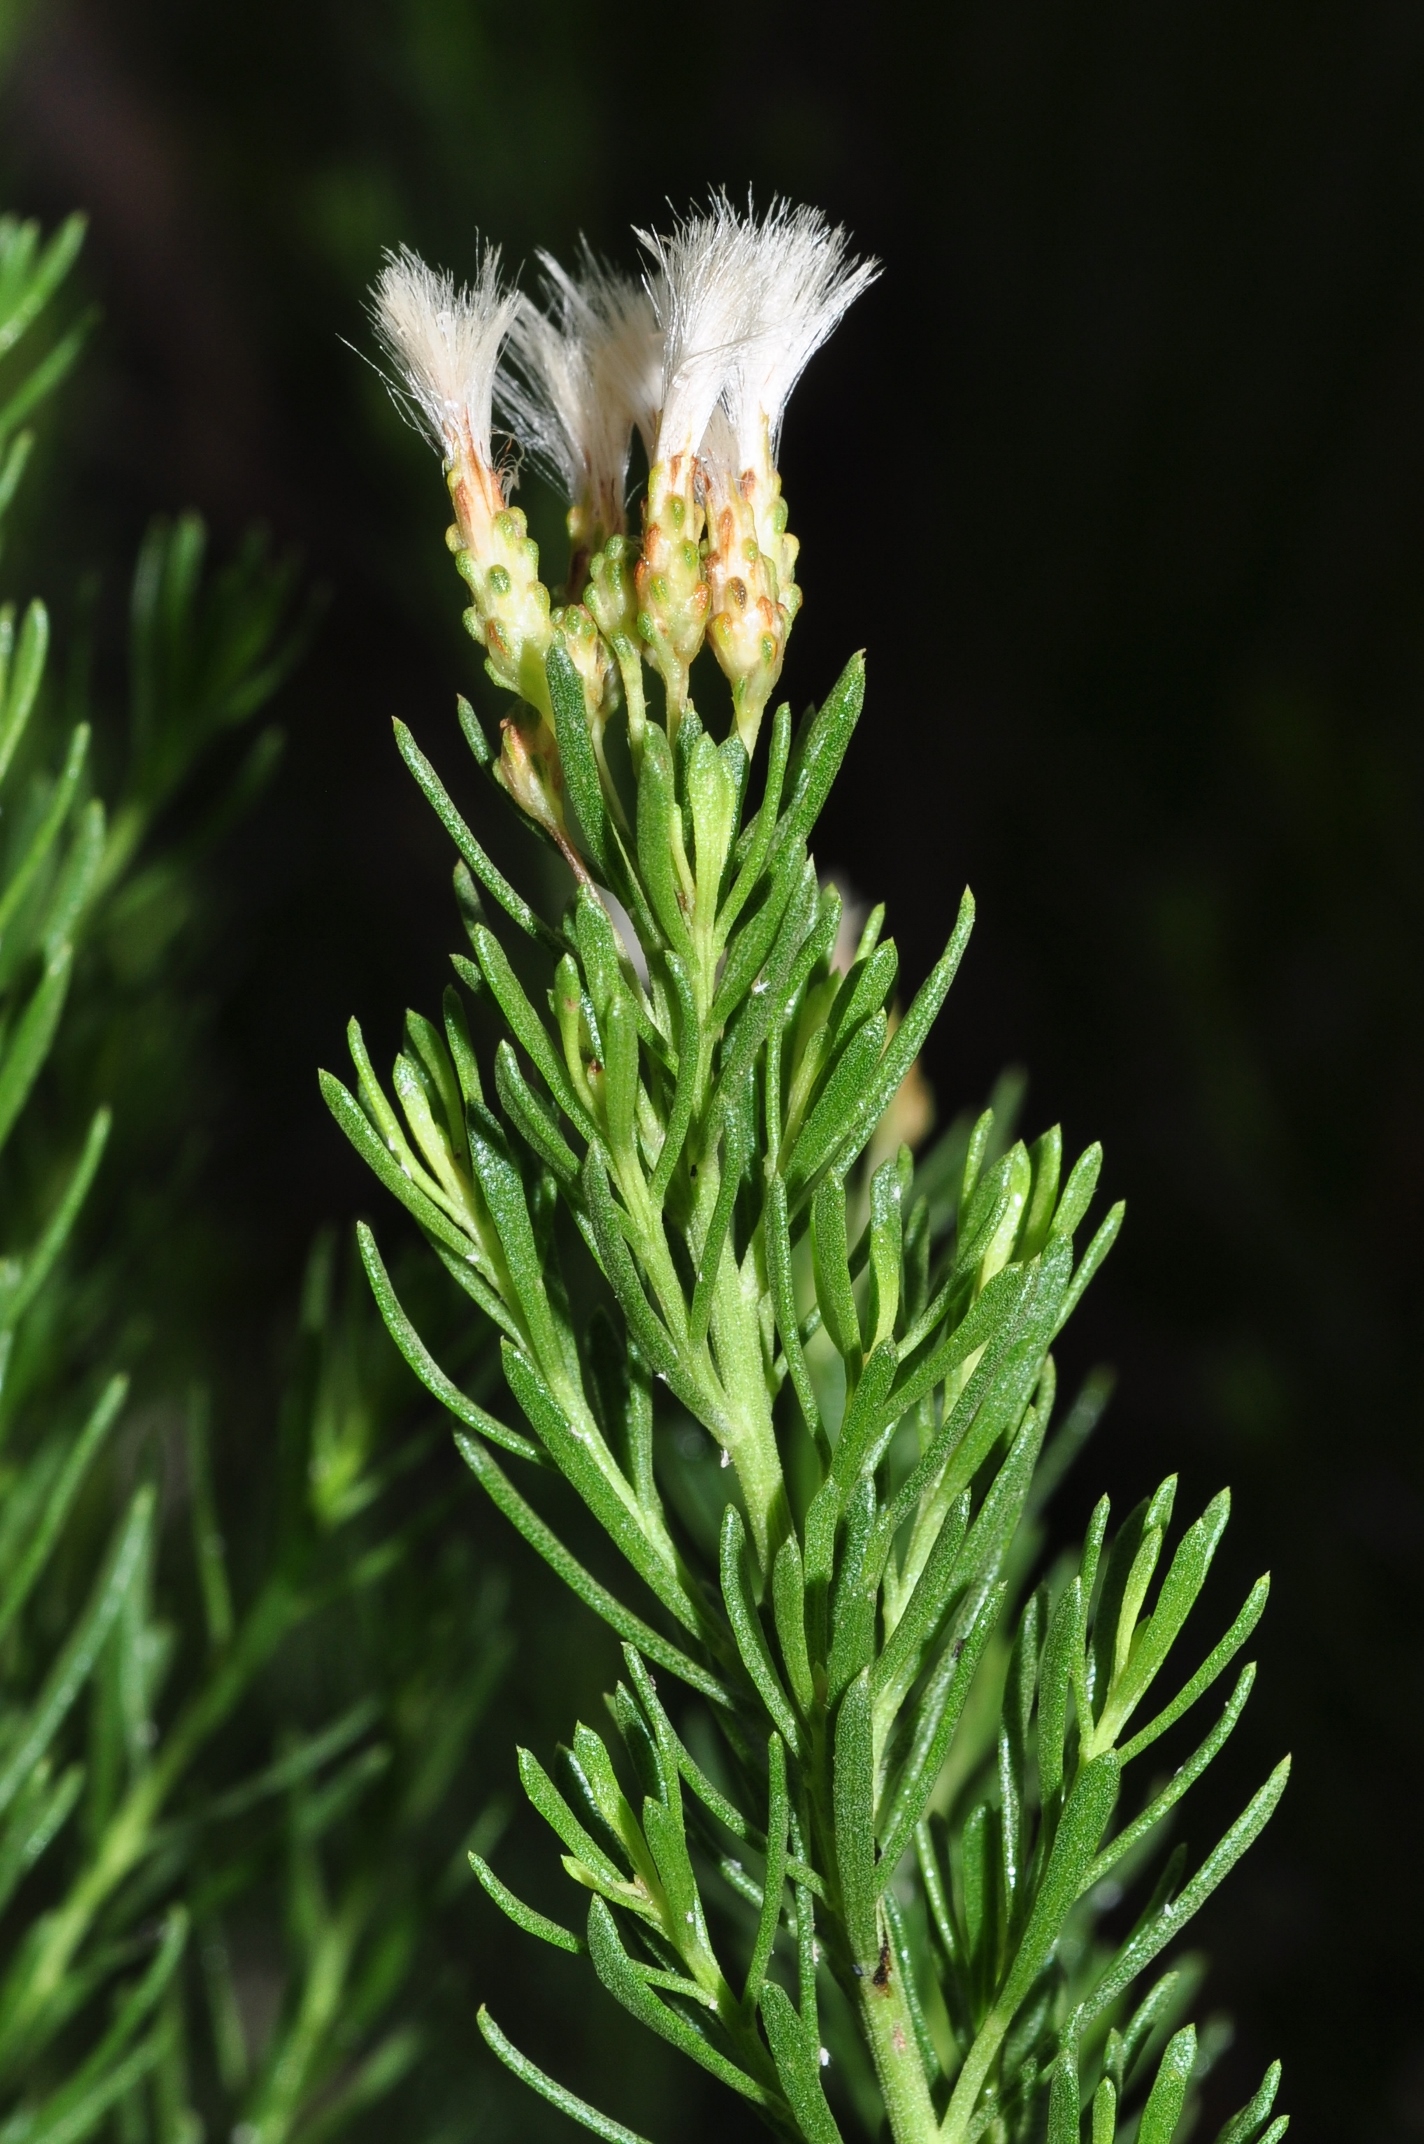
(890, 2032)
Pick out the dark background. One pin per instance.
(1118, 473)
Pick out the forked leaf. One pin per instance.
(606, 1605)
(1137, 1954)
(1185, 1776)
(615, 1969)
(1219, 1657)
(1241, 2129)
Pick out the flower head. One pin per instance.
(445, 342)
(801, 279)
(585, 370)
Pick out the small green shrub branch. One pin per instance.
(928, 1790)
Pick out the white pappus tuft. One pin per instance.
(445, 341)
(704, 298)
(745, 303)
(806, 280)
(584, 371)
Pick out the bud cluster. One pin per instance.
(698, 359)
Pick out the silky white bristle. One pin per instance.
(745, 302)
(807, 280)
(585, 370)
(445, 342)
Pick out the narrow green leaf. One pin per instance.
(798, 2065)
(69, 2114)
(646, 1326)
(594, 1473)
(1084, 1820)
(493, 880)
(839, 1106)
(904, 1048)
(47, 832)
(46, 375)
(753, 942)
(1078, 1191)
(1092, 1258)
(689, 1052)
(576, 753)
(72, 1664)
(1176, 1598)
(831, 1258)
(748, 1632)
(777, 1235)
(525, 1262)
(1063, 2101)
(934, 1728)
(864, 990)
(44, 1532)
(774, 986)
(426, 1368)
(525, 1917)
(777, 1820)
(788, 1601)
(532, 1119)
(736, 1134)
(755, 844)
(819, 756)
(527, 1028)
(1169, 2090)
(660, 842)
(853, 1792)
(29, 1043)
(21, 672)
(856, 1592)
(1185, 1776)
(1065, 1639)
(1219, 1657)
(358, 1128)
(31, 282)
(551, 1805)
(577, 2110)
(1046, 1162)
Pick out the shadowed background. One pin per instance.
(1118, 475)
